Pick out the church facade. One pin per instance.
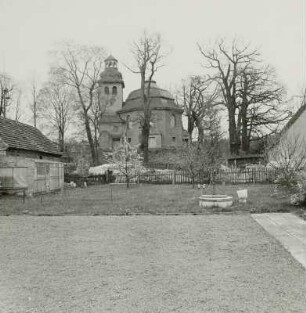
(121, 118)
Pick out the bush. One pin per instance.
(299, 196)
(292, 183)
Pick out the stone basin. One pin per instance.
(220, 201)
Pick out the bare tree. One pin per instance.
(261, 109)
(250, 92)
(33, 102)
(95, 114)
(55, 102)
(18, 104)
(79, 67)
(198, 97)
(6, 89)
(147, 51)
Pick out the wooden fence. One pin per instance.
(89, 180)
(233, 176)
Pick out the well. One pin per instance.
(220, 201)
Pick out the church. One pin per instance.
(121, 118)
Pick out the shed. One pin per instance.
(28, 158)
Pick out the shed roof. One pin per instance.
(21, 136)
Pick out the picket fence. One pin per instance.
(233, 176)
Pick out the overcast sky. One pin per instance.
(29, 29)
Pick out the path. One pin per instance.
(287, 228)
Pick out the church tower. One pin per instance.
(110, 100)
(111, 87)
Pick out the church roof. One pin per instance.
(16, 135)
(111, 75)
(160, 99)
(111, 58)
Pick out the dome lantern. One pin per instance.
(110, 62)
(111, 75)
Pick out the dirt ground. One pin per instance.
(215, 263)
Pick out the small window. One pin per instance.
(114, 91)
(172, 120)
(43, 169)
(129, 140)
(106, 90)
(128, 123)
(173, 139)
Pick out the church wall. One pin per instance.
(112, 103)
(161, 124)
(134, 131)
(108, 132)
(173, 130)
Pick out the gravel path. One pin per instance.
(145, 264)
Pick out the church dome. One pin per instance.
(111, 74)
(160, 99)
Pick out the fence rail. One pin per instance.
(233, 176)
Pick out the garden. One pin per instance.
(116, 199)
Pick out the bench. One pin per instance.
(15, 189)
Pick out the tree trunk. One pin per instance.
(200, 133)
(190, 127)
(61, 140)
(245, 145)
(145, 133)
(233, 133)
(90, 140)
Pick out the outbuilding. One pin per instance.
(28, 158)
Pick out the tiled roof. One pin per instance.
(25, 137)
(111, 75)
(155, 92)
(160, 99)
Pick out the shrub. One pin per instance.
(299, 195)
(293, 183)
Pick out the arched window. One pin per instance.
(172, 120)
(106, 90)
(114, 90)
(128, 122)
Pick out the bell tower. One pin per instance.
(110, 100)
(111, 87)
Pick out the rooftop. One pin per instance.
(16, 135)
(160, 99)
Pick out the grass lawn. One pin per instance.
(215, 263)
(143, 199)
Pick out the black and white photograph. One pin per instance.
(152, 156)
